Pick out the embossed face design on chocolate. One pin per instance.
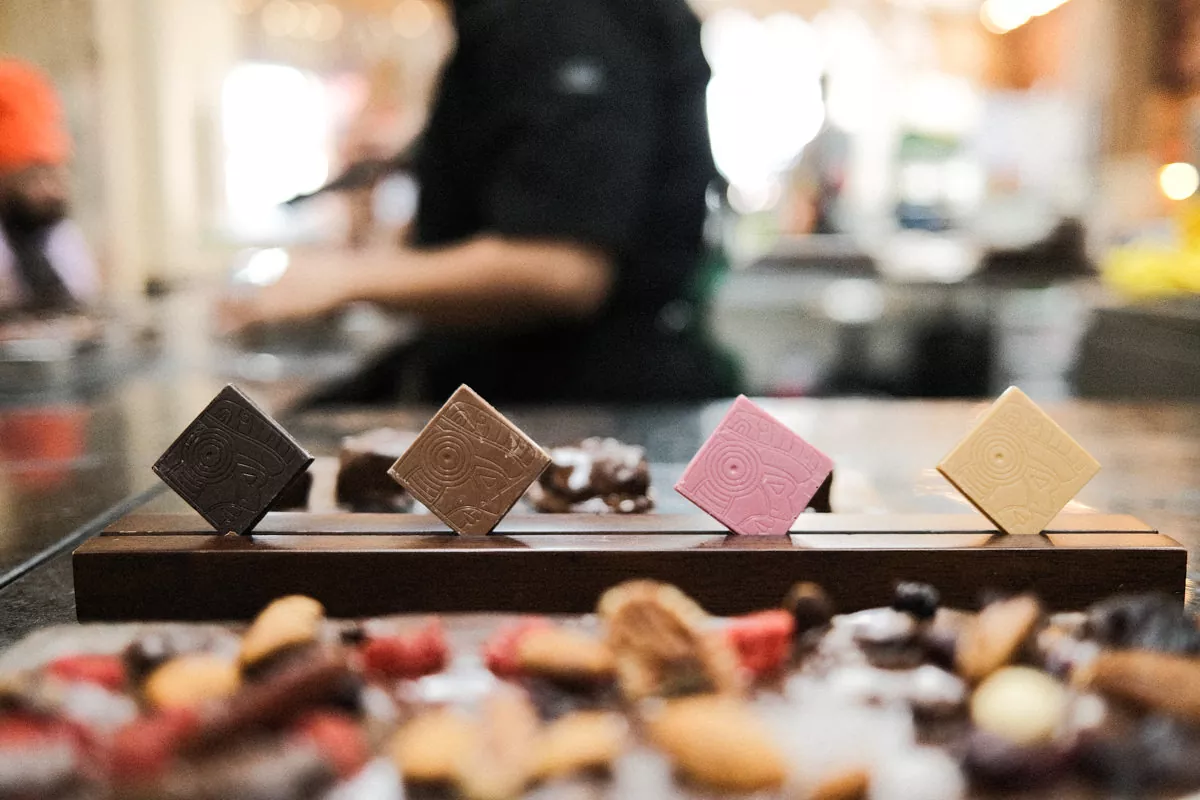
(470, 464)
(1017, 466)
(753, 474)
(232, 462)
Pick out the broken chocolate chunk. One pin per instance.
(363, 483)
(294, 497)
(594, 476)
(232, 462)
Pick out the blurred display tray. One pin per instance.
(172, 566)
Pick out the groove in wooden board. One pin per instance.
(306, 523)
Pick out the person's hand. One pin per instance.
(310, 287)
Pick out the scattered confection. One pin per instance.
(232, 462)
(469, 465)
(594, 476)
(363, 483)
(1017, 466)
(650, 697)
(294, 496)
(754, 475)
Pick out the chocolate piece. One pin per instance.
(917, 599)
(595, 476)
(753, 475)
(363, 483)
(822, 501)
(1018, 467)
(294, 496)
(154, 648)
(470, 464)
(810, 607)
(232, 462)
(319, 680)
(1143, 622)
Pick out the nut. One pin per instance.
(1020, 704)
(190, 680)
(287, 621)
(995, 636)
(500, 760)
(1158, 681)
(583, 740)
(426, 750)
(564, 654)
(850, 785)
(715, 741)
(657, 637)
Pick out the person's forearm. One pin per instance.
(483, 282)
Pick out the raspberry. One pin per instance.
(411, 655)
(500, 651)
(339, 739)
(105, 671)
(762, 640)
(143, 749)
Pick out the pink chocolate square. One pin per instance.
(753, 474)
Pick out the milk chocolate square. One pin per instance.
(754, 475)
(470, 464)
(232, 462)
(1017, 466)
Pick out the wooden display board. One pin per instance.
(172, 566)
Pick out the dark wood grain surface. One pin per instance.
(163, 566)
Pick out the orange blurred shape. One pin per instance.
(42, 445)
(31, 120)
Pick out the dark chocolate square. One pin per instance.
(232, 462)
(470, 464)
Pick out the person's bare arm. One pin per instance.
(484, 282)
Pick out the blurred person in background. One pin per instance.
(45, 264)
(558, 246)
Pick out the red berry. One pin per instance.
(411, 655)
(17, 730)
(762, 640)
(142, 750)
(339, 739)
(105, 671)
(500, 651)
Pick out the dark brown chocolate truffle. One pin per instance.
(363, 483)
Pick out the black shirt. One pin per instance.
(581, 120)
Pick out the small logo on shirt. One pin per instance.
(581, 76)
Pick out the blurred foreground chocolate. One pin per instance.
(470, 464)
(363, 483)
(232, 462)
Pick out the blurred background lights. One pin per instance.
(1178, 181)
(764, 100)
(412, 18)
(276, 141)
(281, 18)
(329, 24)
(1002, 16)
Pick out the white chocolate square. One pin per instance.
(1017, 466)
